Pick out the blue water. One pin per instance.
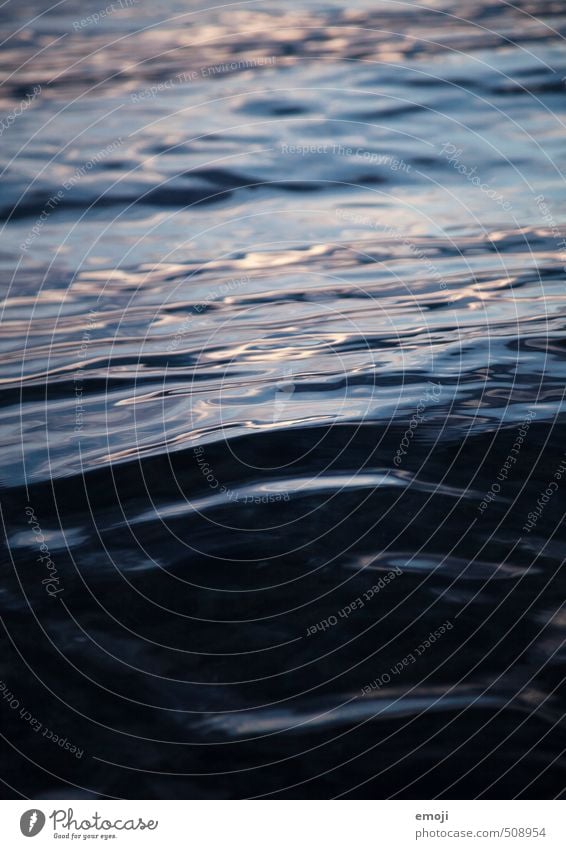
(281, 396)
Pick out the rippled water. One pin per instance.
(281, 395)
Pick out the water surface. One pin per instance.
(281, 396)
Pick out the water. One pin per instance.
(282, 380)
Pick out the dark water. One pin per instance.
(281, 391)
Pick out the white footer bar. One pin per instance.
(285, 824)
